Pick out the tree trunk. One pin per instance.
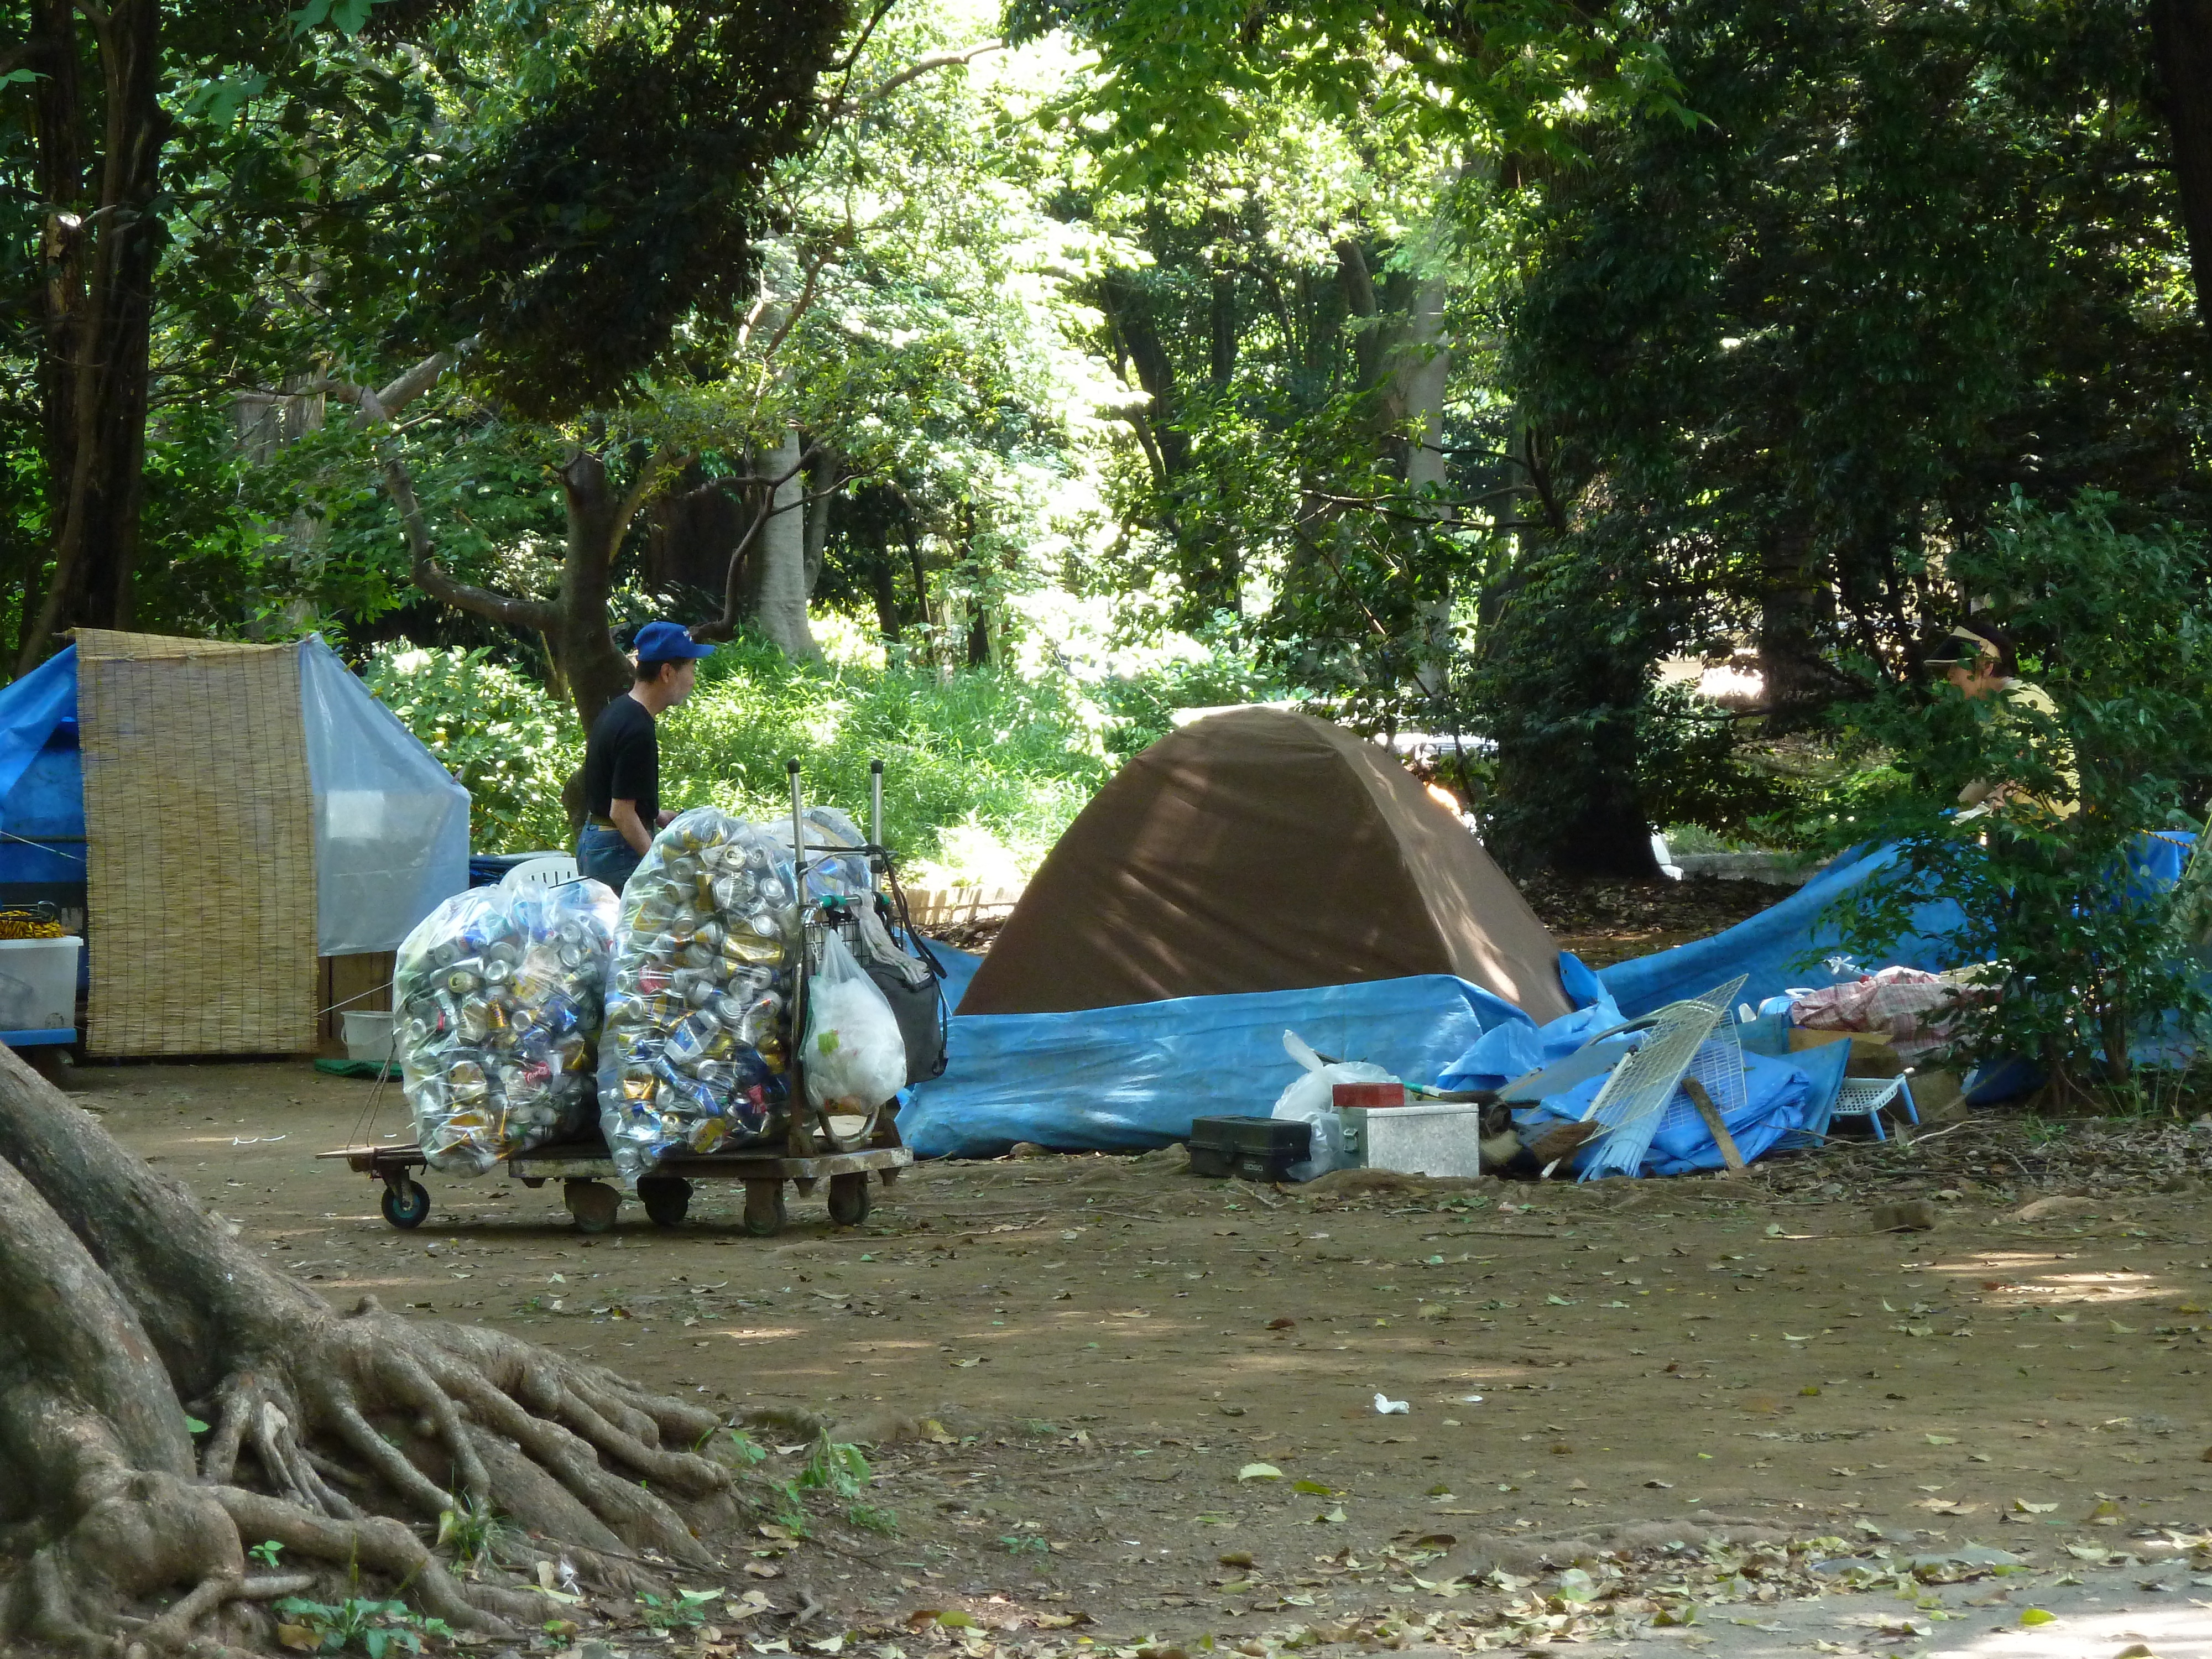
(123, 1307)
(822, 476)
(776, 567)
(2181, 38)
(1788, 659)
(99, 246)
(595, 673)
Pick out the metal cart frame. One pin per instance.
(813, 1152)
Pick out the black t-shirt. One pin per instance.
(621, 761)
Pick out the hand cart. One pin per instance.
(587, 1174)
(843, 1149)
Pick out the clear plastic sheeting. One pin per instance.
(392, 826)
(499, 995)
(695, 1054)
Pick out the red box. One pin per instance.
(1368, 1094)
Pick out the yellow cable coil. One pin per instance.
(21, 924)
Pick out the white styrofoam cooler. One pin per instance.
(1433, 1137)
(368, 1035)
(38, 983)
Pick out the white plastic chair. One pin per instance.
(1867, 1097)
(544, 870)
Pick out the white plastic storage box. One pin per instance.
(1434, 1138)
(368, 1035)
(38, 984)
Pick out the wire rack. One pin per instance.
(1693, 1038)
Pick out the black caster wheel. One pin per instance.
(593, 1203)
(666, 1198)
(764, 1211)
(407, 1205)
(850, 1199)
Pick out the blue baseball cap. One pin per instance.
(666, 641)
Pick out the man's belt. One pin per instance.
(598, 823)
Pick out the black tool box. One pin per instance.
(1256, 1148)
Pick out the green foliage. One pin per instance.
(743, 1450)
(378, 1627)
(1010, 759)
(266, 1551)
(616, 195)
(686, 1610)
(472, 1534)
(832, 1466)
(872, 1517)
(1024, 1543)
(509, 743)
(2116, 626)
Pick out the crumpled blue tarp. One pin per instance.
(1786, 945)
(30, 709)
(1775, 1094)
(1129, 1078)
(1132, 1077)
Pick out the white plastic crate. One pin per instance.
(38, 983)
(367, 1035)
(1434, 1138)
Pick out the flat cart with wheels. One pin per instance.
(587, 1174)
(842, 1148)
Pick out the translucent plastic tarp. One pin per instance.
(392, 826)
(1128, 1078)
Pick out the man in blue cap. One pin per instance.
(621, 756)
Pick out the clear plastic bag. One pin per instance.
(1311, 1098)
(855, 1057)
(694, 1055)
(499, 996)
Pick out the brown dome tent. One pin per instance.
(1260, 851)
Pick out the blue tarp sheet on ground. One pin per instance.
(1124, 1079)
(1132, 1078)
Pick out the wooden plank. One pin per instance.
(1722, 1138)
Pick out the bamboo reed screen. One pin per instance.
(200, 818)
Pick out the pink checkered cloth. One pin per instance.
(1918, 1012)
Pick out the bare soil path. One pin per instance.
(1112, 1404)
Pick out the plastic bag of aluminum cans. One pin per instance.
(695, 1052)
(831, 872)
(499, 995)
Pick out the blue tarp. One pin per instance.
(1775, 1095)
(1132, 1078)
(30, 709)
(1124, 1079)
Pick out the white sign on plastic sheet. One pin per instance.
(391, 826)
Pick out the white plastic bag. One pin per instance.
(855, 1058)
(1311, 1098)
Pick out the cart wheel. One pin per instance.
(406, 1206)
(593, 1203)
(764, 1214)
(849, 1200)
(666, 1198)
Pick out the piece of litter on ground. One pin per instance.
(1386, 1406)
(1470, 1399)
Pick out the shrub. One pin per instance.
(2118, 628)
(507, 740)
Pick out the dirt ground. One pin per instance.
(1112, 1405)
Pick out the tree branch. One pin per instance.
(533, 614)
(913, 71)
(799, 306)
(726, 625)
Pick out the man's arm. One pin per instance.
(625, 817)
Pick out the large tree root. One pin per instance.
(327, 1434)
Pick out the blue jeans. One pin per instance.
(603, 855)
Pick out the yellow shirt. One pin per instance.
(2021, 695)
